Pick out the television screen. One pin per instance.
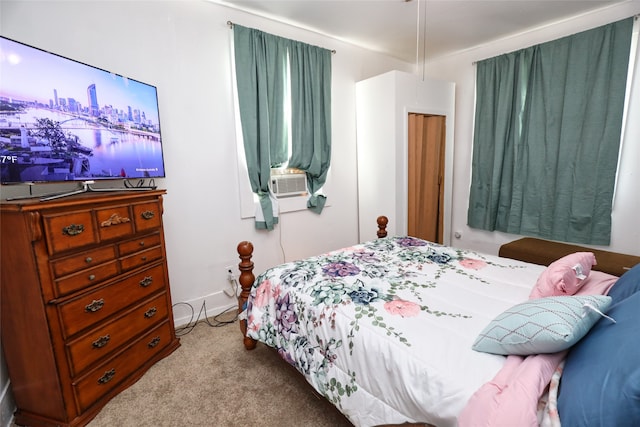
(62, 120)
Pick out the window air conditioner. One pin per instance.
(289, 184)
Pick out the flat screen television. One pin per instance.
(63, 120)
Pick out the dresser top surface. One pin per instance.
(92, 198)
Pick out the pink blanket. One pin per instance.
(511, 397)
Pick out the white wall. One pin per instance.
(383, 104)
(182, 47)
(459, 68)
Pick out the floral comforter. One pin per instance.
(384, 329)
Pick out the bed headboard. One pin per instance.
(544, 252)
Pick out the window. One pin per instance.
(284, 98)
(547, 135)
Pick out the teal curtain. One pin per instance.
(547, 133)
(311, 116)
(261, 75)
(267, 68)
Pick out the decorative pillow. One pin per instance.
(543, 325)
(600, 384)
(564, 276)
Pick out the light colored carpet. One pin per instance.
(211, 380)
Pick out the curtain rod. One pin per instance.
(231, 24)
(635, 18)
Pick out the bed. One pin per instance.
(401, 330)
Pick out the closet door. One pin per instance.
(426, 148)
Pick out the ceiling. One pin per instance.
(396, 27)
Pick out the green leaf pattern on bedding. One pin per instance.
(369, 283)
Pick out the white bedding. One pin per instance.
(384, 330)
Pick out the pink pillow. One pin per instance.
(564, 276)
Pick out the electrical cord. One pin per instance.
(284, 256)
(140, 184)
(236, 286)
(184, 330)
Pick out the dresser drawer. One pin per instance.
(86, 278)
(105, 339)
(69, 231)
(147, 216)
(135, 245)
(114, 222)
(108, 375)
(87, 259)
(92, 307)
(141, 258)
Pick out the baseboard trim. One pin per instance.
(213, 304)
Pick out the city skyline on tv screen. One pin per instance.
(63, 120)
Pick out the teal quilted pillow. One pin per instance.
(543, 325)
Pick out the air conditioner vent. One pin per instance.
(289, 184)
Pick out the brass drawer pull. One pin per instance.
(114, 219)
(150, 313)
(73, 229)
(94, 306)
(101, 342)
(92, 277)
(88, 260)
(108, 376)
(141, 242)
(146, 281)
(148, 214)
(154, 342)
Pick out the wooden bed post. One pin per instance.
(246, 279)
(382, 226)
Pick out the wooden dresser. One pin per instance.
(85, 301)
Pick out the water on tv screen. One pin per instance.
(62, 120)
